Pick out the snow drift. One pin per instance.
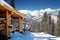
(18, 36)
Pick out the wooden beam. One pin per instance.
(15, 17)
(20, 24)
(8, 16)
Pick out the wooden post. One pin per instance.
(8, 16)
(20, 24)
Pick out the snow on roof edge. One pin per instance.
(2, 2)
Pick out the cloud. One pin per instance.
(25, 11)
(32, 13)
(35, 13)
(58, 9)
(39, 12)
(48, 10)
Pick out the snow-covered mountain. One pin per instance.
(37, 18)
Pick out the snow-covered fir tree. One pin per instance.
(12, 3)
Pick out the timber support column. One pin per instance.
(8, 16)
(20, 24)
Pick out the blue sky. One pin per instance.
(36, 4)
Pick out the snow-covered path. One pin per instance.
(32, 36)
(43, 36)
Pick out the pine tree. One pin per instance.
(44, 22)
(49, 25)
(12, 3)
(53, 27)
(5, 0)
(38, 27)
(58, 24)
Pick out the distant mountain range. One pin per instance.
(39, 18)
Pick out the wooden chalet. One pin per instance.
(6, 13)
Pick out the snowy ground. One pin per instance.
(32, 36)
(43, 36)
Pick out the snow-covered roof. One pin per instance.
(2, 2)
(5, 6)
